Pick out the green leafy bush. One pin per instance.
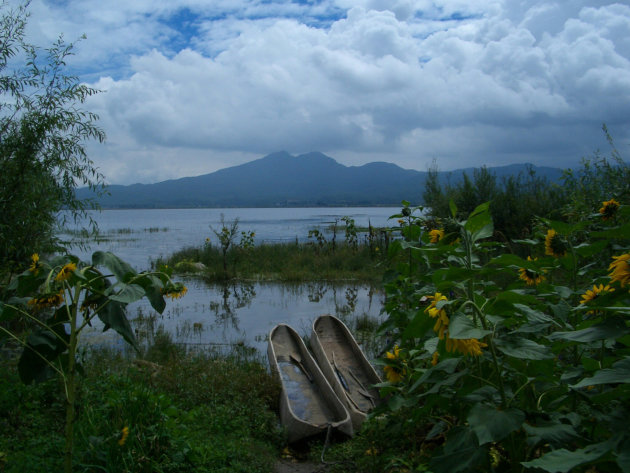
(58, 300)
(43, 131)
(505, 363)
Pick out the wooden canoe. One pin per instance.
(345, 366)
(308, 404)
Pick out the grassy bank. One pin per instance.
(282, 262)
(174, 411)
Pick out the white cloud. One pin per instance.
(193, 86)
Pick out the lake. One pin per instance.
(234, 313)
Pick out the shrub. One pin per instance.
(503, 363)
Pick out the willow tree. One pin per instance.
(43, 132)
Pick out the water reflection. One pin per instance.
(234, 296)
(243, 313)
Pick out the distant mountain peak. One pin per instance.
(281, 179)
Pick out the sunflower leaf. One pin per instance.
(618, 373)
(493, 425)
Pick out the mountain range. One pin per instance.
(283, 180)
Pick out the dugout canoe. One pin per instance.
(345, 366)
(308, 404)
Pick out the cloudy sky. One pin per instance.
(192, 86)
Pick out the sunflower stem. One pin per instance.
(71, 381)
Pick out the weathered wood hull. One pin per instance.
(345, 366)
(308, 404)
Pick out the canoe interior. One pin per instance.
(306, 398)
(349, 365)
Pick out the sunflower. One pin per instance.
(66, 272)
(35, 264)
(554, 245)
(437, 297)
(442, 320)
(532, 278)
(468, 346)
(436, 235)
(393, 373)
(620, 269)
(46, 300)
(609, 209)
(175, 291)
(124, 433)
(591, 294)
(434, 358)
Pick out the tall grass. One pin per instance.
(184, 412)
(283, 262)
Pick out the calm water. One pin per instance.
(244, 313)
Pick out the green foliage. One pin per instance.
(42, 136)
(351, 232)
(27, 441)
(597, 180)
(319, 237)
(192, 413)
(59, 299)
(247, 240)
(226, 236)
(514, 202)
(503, 363)
(361, 255)
(286, 262)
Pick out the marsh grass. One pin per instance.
(283, 262)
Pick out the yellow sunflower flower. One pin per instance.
(66, 272)
(124, 433)
(532, 278)
(371, 451)
(468, 346)
(620, 269)
(591, 294)
(437, 297)
(554, 246)
(46, 300)
(175, 292)
(35, 264)
(609, 209)
(442, 320)
(434, 358)
(436, 235)
(393, 373)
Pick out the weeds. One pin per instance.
(181, 412)
(281, 262)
